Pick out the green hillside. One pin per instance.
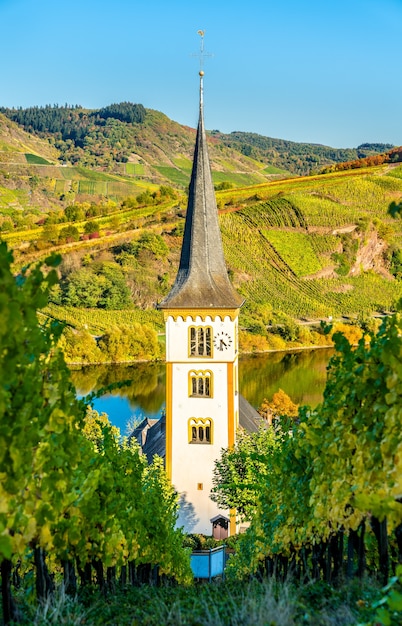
(141, 149)
(301, 248)
(299, 158)
(55, 156)
(137, 147)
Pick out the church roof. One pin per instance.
(202, 280)
(151, 434)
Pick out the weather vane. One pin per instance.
(202, 54)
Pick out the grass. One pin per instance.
(92, 187)
(182, 176)
(72, 173)
(122, 189)
(271, 169)
(183, 163)
(12, 197)
(236, 178)
(11, 153)
(178, 177)
(302, 183)
(396, 172)
(94, 174)
(134, 169)
(261, 272)
(34, 159)
(256, 603)
(60, 186)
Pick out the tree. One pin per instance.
(80, 347)
(50, 233)
(281, 404)
(91, 227)
(59, 492)
(82, 289)
(128, 343)
(69, 233)
(338, 468)
(153, 243)
(100, 285)
(145, 198)
(125, 112)
(116, 294)
(241, 471)
(356, 435)
(74, 213)
(395, 209)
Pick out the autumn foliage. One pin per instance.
(281, 404)
(393, 156)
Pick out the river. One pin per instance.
(300, 374)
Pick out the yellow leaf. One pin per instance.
(19, 543)
(30, 530)
(46, 539)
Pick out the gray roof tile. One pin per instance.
(202, 280)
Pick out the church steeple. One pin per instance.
(202, 349)
(202, 279)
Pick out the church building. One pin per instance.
(204, 408)
(201, 315)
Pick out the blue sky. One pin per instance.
(325, 72)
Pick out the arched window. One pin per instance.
(200, 430)
(200, 383)
(200, 340)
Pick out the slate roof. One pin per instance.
(151, 433)
(202, 280)
(249, 419)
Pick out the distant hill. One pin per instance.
(126, 139)
(51, 156)
(299, 158)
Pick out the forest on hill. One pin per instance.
(114, 134)
(299, 158)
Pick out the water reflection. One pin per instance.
(301, 375)
(140, 391)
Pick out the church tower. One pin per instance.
(201, 317)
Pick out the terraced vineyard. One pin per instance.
(97, 321)
(271, 246)
(295, 249)
(307, 247)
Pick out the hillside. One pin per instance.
(298, 158)
(301, 248)
(50, 156)
(298, 250)
(57, 155)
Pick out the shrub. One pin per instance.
(128, 343)
(80, 347)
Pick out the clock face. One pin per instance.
(222, 341)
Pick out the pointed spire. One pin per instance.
(202, 280)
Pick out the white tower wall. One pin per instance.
(191, 464)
